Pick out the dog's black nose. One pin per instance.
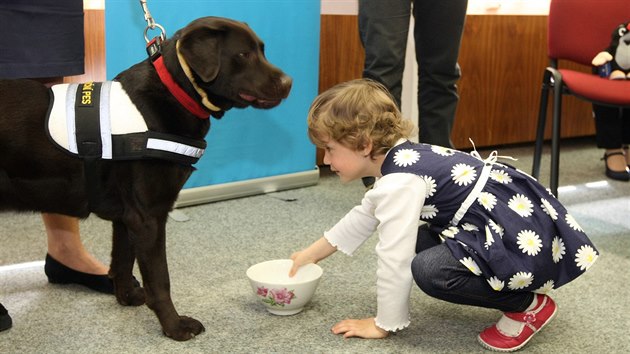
(285, 85)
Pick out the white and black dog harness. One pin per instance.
(97, 120)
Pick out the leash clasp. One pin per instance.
(151, 24)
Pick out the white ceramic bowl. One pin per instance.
(281, 294)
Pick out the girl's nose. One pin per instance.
(326, 158)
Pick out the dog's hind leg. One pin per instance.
(121, 268)
(148, 235)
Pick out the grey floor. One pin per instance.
(209, 254)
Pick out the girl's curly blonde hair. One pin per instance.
(355, 113)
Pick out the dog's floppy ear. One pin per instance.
(200, 48)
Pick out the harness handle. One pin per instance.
(151, 24)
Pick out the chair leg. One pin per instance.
(555, 139)
(540, 129)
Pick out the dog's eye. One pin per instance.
(622, 31)
(245, 55)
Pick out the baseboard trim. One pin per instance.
(224, 191)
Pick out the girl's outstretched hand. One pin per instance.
(314, 253)
(299, 258)
(365, 328)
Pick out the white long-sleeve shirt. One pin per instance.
(392, 209)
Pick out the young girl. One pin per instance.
(505, 240)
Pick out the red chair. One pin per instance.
(578, 30)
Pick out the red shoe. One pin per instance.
(532, 321)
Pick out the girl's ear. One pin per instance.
(367, 149)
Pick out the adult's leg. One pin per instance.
(65, 246)
(438, 32)
(67, 261)
(440, 275)
(63, 234)
(612, 131)
(608, 123)
(383, 29)
(625, 135)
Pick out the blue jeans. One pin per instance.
(440, 275)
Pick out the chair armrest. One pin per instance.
(552, 76)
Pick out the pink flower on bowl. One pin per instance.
(282, 296)
(262, 291)
(278, 297)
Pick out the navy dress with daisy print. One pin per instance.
(496, 220)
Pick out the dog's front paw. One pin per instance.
(186, 328)
(131, 296)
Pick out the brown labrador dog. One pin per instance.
(217, 64)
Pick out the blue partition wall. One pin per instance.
(249, 151)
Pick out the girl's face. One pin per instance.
(349, 164)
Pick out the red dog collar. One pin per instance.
(154, 49)
(182, 97)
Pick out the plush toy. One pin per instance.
(614, 62)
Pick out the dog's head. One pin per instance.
(226, 60)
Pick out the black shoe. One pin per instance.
(616, 175)
(5, 319)
(58, 273)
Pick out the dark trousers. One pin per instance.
(41, 38)
(440, 275)
(612, 126)
(383, 28)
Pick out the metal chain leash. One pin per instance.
(151, 24)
